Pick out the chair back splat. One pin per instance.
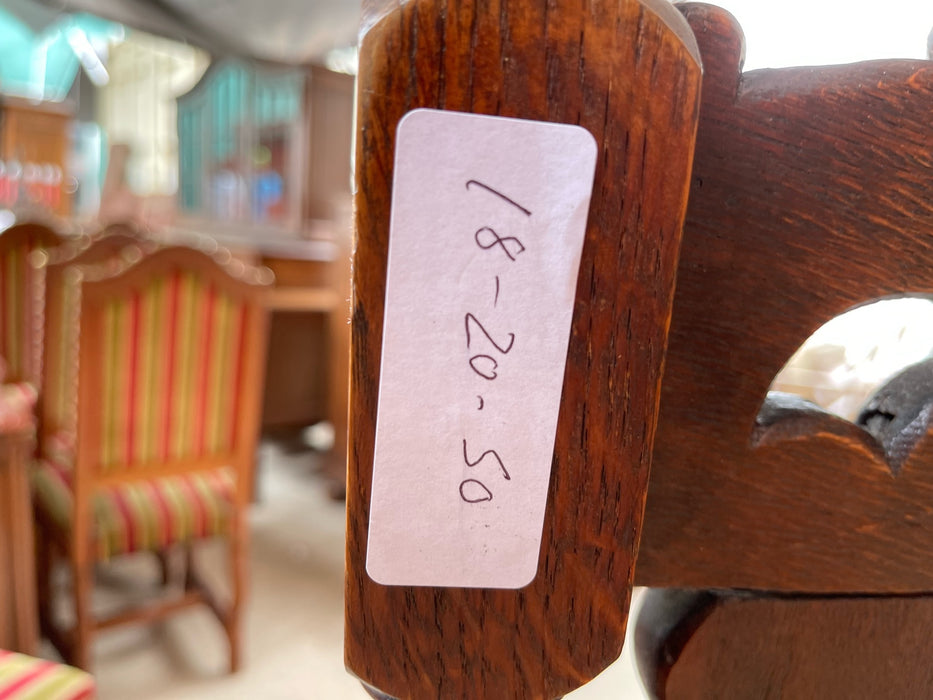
(811, 195)
(627, 72)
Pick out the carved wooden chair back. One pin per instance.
(150, 441)
(810, 196)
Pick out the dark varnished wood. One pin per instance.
(703, 645)
(626, 71)
(810, 195)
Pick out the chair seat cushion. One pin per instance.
(25, 678)
(144, 514)
(16, 404)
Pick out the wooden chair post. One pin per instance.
(628, 73)
(18, 623)
(21, 291)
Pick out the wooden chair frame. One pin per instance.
(809, 195)
(97, 285)
(18, 584)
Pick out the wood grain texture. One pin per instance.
(19, 625)
(810, 195)
(706, 646)
(622, 70)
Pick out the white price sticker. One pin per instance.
(487, 228)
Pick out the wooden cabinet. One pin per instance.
(299, 355)
(329, 129)
(37, 134)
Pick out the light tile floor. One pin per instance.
(294, 631)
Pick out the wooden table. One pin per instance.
(19, 628)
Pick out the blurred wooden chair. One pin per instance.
(804, 544)
(149, 426)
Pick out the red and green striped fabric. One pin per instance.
(171, 354)
(146, 514)
(170, 391)
(16, 315)
(26, 678)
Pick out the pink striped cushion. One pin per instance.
(144, 514)
(16, 404)
(25, 678)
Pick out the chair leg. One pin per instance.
(83, 585)
(227, 615)
(45, 566)
(191, 580)
(48, 554)
(165, 565)
(239, 562)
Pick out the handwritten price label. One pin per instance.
(488, 220)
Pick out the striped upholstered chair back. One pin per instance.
(114, 245)
(165, 368)
(21, 300)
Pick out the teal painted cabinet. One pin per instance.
(241, 140)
